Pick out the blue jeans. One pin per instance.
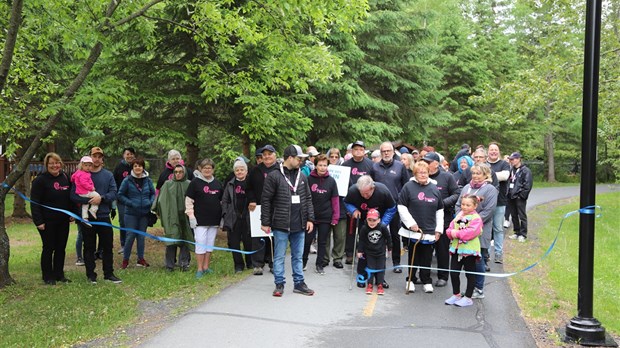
(498, 229)
(138, 223)
(279, 253)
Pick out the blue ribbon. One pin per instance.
(157, 238)
(590, 210)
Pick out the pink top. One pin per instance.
(83, 182)
(468, 233)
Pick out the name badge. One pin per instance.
(512, 185)
(295, 199)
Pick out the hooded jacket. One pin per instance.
(230, 214)
(137, 194)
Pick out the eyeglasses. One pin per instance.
(479, 156)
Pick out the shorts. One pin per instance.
(205, 238)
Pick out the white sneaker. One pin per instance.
(506, 223)
(428, 288)
(409, 286)
(521, 239)
(478, 293)
(312, 249)
(513, 236)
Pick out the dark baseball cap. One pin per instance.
(269, 148)
(430, 157)
(294, 151)
(515, 155)
(358, 143)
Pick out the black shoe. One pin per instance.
(386, 285)
(113, 279)
(92, 280)
(441, 283)
(349, 260)
(238, 270)
(64, 280)
(320, 270)
(361, 285)
(325, 264)
(98, 255)
(486, 267)
(338, 264)
(397, 269)
(279, 291)
(303, 289)
(170, 270)
(50, 282)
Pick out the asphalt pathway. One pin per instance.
(246, 315)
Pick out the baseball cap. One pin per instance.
(267, 148)
(430, 157)
(313, 153)
(415, 151)
(404, 150)
(358, 143)
(372, 214)
(293, 150)
(515, 155)
(95, 150)
(86, 159)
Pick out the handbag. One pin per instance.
(152, 219)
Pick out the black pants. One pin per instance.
(321, 242)
(263, 255)
(442, 251)
(106, 236)
(121, 221)
(467, 263)
(519, 216)
(171, 256)
(54, 238)
(423, 257)
(240, 233)
(376, 262)
(394, 227)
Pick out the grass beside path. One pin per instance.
(547, 294)
(36, 315)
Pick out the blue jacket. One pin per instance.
(137, 200)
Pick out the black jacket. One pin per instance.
(276, 201)
(229, 206)
(521, 181)
(52, 191)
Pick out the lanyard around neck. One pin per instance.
(294, 188)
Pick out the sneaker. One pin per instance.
(506, 223)
(114, 279)
(303, 289)
(125, 264)
(199, 274)
(441, 283)
(238, 270)
(478, 294)
(279, 291)
(499, 258)
(410, 287)
(305, 267)
(121, 250)
(464, 302)
(338, 264)
(312, 249)
(79, 261)
(369, 289)
(453, 299)
(513, 236)
(257, 271)
(207, 271)
(521, 239)
(397, 269)
(49, 282)
(64, 280)
(428, 288)
(486, 267)
(183, 268)
(320, 270)
(380, 290)
(349, 260)
(360, 285)
(385, 285)
(92, 280)
(142, 263)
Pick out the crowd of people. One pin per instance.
(397, 199)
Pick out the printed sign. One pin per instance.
(255, 223)
(342, 175)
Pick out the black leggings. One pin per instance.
(468, 263)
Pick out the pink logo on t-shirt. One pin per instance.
(239, 189)
(422, 197)
(315, 188)
(125, 173)
(59, 187)
(208, 191)
(355, 171)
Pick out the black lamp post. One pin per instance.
(584, 328)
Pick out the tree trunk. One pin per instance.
(550, 150)
(22, 185)
(5, 250)
(11, 38)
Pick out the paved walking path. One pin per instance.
(246, 315)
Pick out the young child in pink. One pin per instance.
(464, 248)
(84, 186)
